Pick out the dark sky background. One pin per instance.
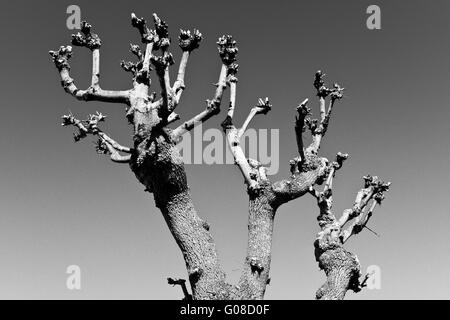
(62, 204)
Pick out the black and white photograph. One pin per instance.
(225, 150)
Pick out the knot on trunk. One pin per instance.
(256, 265)
(195, 274)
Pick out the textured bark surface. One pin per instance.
(160, 168)
(255, 275)
(341, 268)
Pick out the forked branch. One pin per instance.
(308, 168)
(61, 57)
(227, 51)
(317, 127)
(251, 170)
(105, 144)
(361, 212)
(342, 267)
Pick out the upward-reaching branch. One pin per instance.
(302, 111)
(341, 267)
(251, 170)
(162, 63)
(318, 128)
(361, 212)
(255, 273)
(188, 42)
(228, 51)
(308, 168)
(94, 93)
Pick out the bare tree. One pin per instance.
(157, 164)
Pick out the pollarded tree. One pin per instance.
(157, 164)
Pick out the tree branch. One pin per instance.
(149, 38)
(162, 64)
(373, 191)
(105, 144)
(234, 135)
(341, 267)
(212, 108)
(308, 168)
(113, 143)
(232, 81)
(325, 198)
(188, 42)
(227, 51)
(262, 107)
(116, 157)
(318, 128)
(147, 57)
(255, 273)
(362, 198)
(302, 111)
(299, 182)
(173, 117)
(94, 92)
(182, 284)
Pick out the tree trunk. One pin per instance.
(158, 165)
(255, 275)
(341, 268)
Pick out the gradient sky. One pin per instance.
(62, 204)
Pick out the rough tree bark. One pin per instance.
(157, 164)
